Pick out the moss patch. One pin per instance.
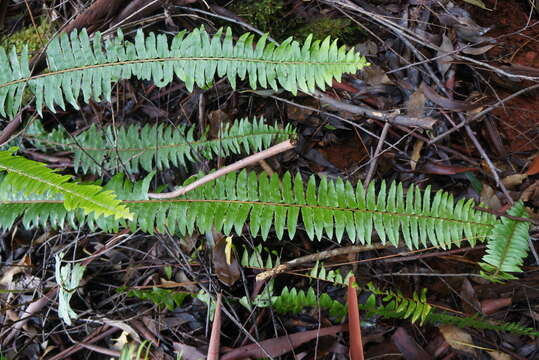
(28, 36)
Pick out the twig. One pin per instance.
(482, 113)
(374, 161)
(213, 350)
(10, 128)
(392, 118)
(249, 160)
(317, 257)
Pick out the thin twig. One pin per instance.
(483, 113)
(317, 257)
(249, 160)
(393, 118)
(374, 161)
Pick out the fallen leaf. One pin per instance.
(416, 153)
(490, 306)
(442, 169)
(444, 60)
(457, 338)
(409, 349)
(489, 198)
(478, 3)
(281, 345)
(514, 180)
(227, 273)
(10, 271)
(498, 355)
(187, 352)
(534, 166)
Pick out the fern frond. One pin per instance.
(256, 260)
(159, 296)
(389, 311)
(414, 308)
(32, 178)
(507, 246)
(80, 65)
(330, 207)
(319, 272)
(130, 148)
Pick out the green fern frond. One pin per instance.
(507, 246)
(319, 272)
(130, 148)
(330, 207)
(159, 296)
(389, 311)
(79, 65)
(415, 308)
(32, 178)
(255, 259)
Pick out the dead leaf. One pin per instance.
(458, 339)
(444, 60)
(416, 104)
(534, 166)
(409, 349)
(281, 345)
(490, 306)
(442, 169)
(10, 271)
(514, 180)
(227, 273)
(478, 3)
(416, 153)
(477, 50)
(498, 355)
(470, 304)
(489, 198)
(354, 327)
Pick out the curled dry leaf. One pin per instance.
(490, 306)
(458, 339)
(534, 166)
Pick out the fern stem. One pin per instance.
(317, 257)
(238, 165)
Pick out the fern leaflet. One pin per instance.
(80, 65)
(31, 178)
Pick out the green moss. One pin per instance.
(28, 36)
(266, 15)
(323, 27)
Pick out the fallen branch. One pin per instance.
(249, 160)
(393, 118)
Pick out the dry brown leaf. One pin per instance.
(416, 153)
(534, 166)
(489, 198)
(457, 338)
(227, 273)
(498, 355)
(514, 180)
(10, 271)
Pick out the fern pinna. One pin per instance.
(33, 179)
(78, 65)
(135, 147)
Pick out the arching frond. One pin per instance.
(149, 147)
(78, 65)
(27, 178)
(507, 246)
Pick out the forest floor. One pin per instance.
(469, 66)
